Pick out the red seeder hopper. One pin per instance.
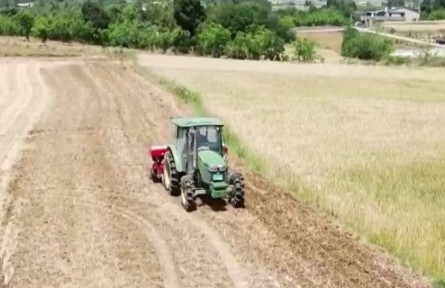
(157, 155)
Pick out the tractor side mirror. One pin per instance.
(225, 149)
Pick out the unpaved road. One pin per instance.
(80, 211)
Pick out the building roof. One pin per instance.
(404, 8)
(196, 121)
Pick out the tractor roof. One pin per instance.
(196, 121)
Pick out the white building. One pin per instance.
(394, 14)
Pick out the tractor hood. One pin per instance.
(211, 159)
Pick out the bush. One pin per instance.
(26, 20)
(304, 50)
(258, 42)
(238, 48)
(212, 39)
(438, 14)
(324, 16)
(365, 46)
(9, 26)
(182, 42)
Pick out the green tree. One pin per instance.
(40, 29)
(237, 17)
(439, 4)
(95, 14)
(264, 43)
(212, 39)
(26, 21)
(425, 9)
(189, 14)
(182, 42)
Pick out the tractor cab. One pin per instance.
(194, 135)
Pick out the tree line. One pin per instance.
(240, 29)
(243, 29)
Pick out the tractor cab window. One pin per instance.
(209, 138)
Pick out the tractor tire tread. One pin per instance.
(237, 198)
(175, 188)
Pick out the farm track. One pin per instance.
(79, 210)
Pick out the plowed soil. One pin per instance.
(80, 211)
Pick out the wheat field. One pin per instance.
(422, 26)
(363, 143)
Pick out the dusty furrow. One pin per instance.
(66, 240)
(23, 98)
(195, 262)
(88, 216)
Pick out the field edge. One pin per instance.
(298, 191)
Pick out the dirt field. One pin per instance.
(80, 211)
(363, 146)
(325, 40)
(18, 47)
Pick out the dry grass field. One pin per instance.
(18, 46)
(365, 144)
(423, 26)
(326, 40)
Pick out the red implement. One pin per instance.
(157, 155)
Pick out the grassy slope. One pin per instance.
(366, 149)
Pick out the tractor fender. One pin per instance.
(175, 154)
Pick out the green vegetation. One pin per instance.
(432, 10)
(242, 29)
(315, 17)
(365, 46)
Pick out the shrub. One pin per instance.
(182, 42)
(238, 48)
(304, 50)
(263, 42)
(26, 20)
(9, 26)
(437, 14)
(212, 39)
(365, 46)
(324, 16)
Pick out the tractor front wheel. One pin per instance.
(236, 197)
(171, 178)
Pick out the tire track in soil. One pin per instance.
(92, 149)
(64, 243)
(84, 180)
(297, 246)
(165, 258)
(194, 227)
(22, 98)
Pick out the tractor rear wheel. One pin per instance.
(236, 197)
(187, 200)
(171, 178)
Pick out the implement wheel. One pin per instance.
(171, 178)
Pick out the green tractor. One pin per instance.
(197, 164)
